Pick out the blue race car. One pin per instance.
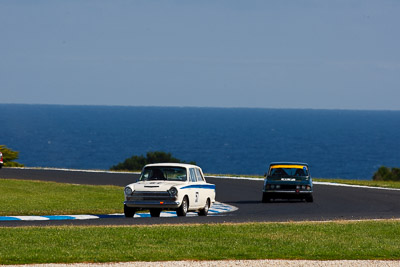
(288, 180)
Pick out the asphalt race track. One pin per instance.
(330, 202)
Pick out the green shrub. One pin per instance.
(9, 156)
(136, 163)
(387, 174)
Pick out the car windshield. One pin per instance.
(163, 173)
(288, 171)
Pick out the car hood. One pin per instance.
(155, 185)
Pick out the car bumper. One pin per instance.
(153, 204)
(288, 191)
(287, 194)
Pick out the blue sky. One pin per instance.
(268, 54)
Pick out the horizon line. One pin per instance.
(199, 107)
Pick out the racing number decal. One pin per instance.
(197, 197)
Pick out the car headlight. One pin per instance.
(173, 191)
(128, 190)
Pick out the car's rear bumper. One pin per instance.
(274, 194)
(288, 191)
(153, 204)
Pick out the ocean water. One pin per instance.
(336, 143)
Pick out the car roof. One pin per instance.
(182, 165)
(288, 163)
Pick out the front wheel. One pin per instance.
(204, 211)
(129, 212)
(265, 198)
(182, 210)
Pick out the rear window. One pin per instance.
(200, 177)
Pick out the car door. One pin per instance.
(194, 198)
(202, 188)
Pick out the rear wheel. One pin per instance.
(182, 210)
(310, 198)
(129, 212)
(155, 212)
(204, 211)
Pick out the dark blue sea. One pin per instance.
(336, 143)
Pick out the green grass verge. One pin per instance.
(21, 197)
(317, 241)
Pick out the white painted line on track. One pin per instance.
(234, 177)
(357, 186)
(218, 209)
(71, 170)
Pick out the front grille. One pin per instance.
(149, 196)
(288, 187)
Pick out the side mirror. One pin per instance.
(265, 174)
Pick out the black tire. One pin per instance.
(182, 210)
(129, 212)
(155, 212)
(310, 198)
(265, 198)
(204, 211)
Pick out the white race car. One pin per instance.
(169, 186)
